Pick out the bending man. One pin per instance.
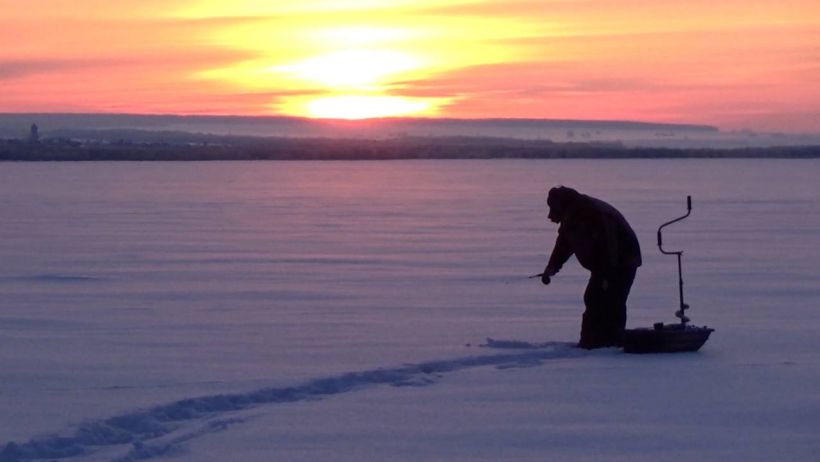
(604, 243)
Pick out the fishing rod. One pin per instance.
(522, 279)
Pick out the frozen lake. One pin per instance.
(131, 285)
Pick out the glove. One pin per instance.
(549, 271)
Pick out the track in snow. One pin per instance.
(162, 430)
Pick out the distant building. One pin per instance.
(34, 136)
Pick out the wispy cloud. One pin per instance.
(21, 68)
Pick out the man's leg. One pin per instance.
(593, 322)
(618, 286)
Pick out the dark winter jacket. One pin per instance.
(597, 234)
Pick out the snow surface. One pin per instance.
(339, 311)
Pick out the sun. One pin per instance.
(355, 107)
(355, 84)
(352, 69)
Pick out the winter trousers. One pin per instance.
(605, 314)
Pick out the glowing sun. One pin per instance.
(351, 69)
(364, 107)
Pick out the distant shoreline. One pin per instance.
(301, 149)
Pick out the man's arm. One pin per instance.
(560, 254)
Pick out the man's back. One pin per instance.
(600, 236)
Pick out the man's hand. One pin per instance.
(549, 272)
(545, 279)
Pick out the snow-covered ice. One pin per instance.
(340, 311)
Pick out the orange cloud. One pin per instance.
(732, 63)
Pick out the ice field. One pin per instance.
(336, 311)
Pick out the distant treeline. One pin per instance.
(248, 148)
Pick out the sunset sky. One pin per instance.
(731, 63)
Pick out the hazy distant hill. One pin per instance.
(304, 127)
(75, 126)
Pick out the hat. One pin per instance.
(559, 200)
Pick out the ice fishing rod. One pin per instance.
(525, 279)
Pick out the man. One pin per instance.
(604, 243)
